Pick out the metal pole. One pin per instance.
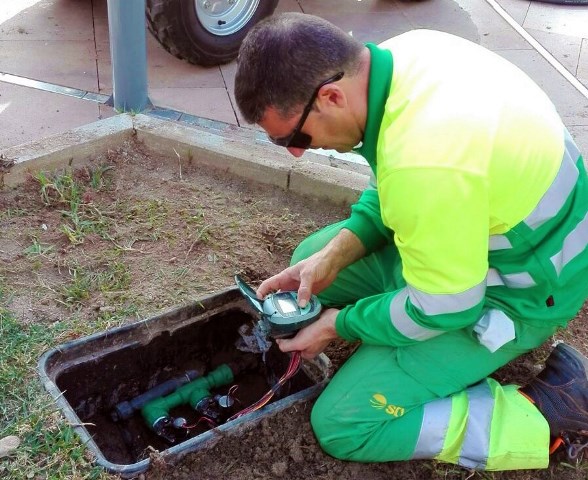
(128, 50)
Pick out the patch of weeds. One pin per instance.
(198, 227)
(58, 188)
(98, 178)
(114, 278)
(10, 213)
(156, 212)
(288, 216)
(180, 274)
(49, 449)
(150, 215)
(82, 222)
(78, 289)
(453, 472)
(132, 112)
(37, 248)
(64, 189)
(109, 318)
(195, 216)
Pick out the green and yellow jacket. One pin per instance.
(478, 185)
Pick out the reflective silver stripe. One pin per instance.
(494, 329)
(518, 280)
(436, 304)
(571, 146)
(476, 442)
(434, 427)
(493, 278)
(498, 242)
(574, 244)
(512, 280)
(555, 197)
(406, 325)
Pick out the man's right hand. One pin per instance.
(315, 273)
(307, 277)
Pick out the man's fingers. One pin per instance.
(285, 280)
(264, 288)
(272, 284)
(303, 295)
(305, 288)
(284, 344)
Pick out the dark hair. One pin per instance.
(283, 59)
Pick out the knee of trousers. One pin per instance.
(314, 242)
(305, 249)
(330, 432)
(348, 438)
(346, 432)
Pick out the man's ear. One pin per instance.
(331, 95)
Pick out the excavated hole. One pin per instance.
(94, 386)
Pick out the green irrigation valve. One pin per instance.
(156, 412)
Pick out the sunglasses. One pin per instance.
(298, 139)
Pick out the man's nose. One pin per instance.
(297, 152)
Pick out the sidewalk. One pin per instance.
(65, 42)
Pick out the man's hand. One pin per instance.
(314, 338)
(317, 272)
(308, 276)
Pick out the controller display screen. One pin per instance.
(286, 306)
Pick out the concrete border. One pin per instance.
(72, 148)
(230, 151)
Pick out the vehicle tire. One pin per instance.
(205, 32)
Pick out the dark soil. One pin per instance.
(159, 237)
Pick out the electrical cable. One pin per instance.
(231, 393)
(210, 423)
(293, 367)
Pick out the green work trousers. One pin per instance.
(373, 409)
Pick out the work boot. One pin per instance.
(560, 392)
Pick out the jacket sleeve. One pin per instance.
(365, 221)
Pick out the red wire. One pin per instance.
(211, 424)
(293, 367)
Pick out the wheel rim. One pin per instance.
(225, 17)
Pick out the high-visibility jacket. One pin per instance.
(476, 189)
(481, 199)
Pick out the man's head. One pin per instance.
(289, 65)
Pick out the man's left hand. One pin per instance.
(314, 338)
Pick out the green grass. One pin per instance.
(10, 213)
(79, 287)
(98, 178)
(49, 448)
(84, 282)
(92, 277)
(74, 197)
(82, 222)
(37, 248)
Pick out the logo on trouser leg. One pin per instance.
(379, 401)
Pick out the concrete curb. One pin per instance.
(230, 151)
(72, 148)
